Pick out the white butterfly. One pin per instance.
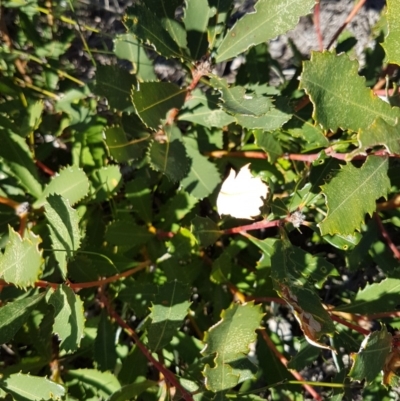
(241, 193)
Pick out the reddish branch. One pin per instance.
(387, 238)
(317, 24)
(285, 362)
(169, 376)
(90, 284)
(352, 14)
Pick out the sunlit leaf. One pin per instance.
(370, 359)
(26, 387)
(228, 342)
(352, 193)
(21, 262)
(339, 94)
(392, 40)
(168, 310)
(69, 319)
(63, 223)
(270, 19)
(71, 183)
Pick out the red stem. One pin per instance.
(169, 376)
(317, 24)
(254, 226)
(352, 14)
(387, 238)
(350, 325)
(285, 362)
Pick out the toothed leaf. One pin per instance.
(153, 100)
(392, 40)
(339, 94)
(21, 262)
(168, 310)
(228, 342)
(352, 193)
(63, 223)
(270, 19)
(69, 319)
(71, 183)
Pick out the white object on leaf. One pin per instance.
(240, 195)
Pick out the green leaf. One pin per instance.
(153, 100)
(270, 19)
(15, 152)
(392, 39)
(32, 121)
(149, 28)
(165, 10)
(352, 193)
(339, 94)
(14, 314)
(203, 109)
(115, 84)
(217, 24)
(71, 183)
(21, 262)
(104, 345)
(63, 223)
(106, 182)
(104, 384)
(205, 230)
(168, 311)
(140, 197)
(370, 359)
(132, 390)
(236, 100)
(379, 133)
(267, 142)
(182, 244)
(228, 342)
(69, 319)
(169, 158)
(122, 150)
(196, 16)
(127, 47)
(30, 388)
(203, 176)
(127, 232)
(306, 355)
(375, 298)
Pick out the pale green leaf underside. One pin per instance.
(229, 341)
(63, 223)
(339, 94)
(272, 18)
(352, 193)
(26, 387)
(106, 181)
(69, 319)
(370, 359)
(21, 262)
(392, 40)
(71, 183)
(167, 313)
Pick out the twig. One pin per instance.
(255, 226)
(349, 325)
(44, 168)
(169, 376)
(352, 14)
(285, 362)
(387, 238)
(317, 24)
